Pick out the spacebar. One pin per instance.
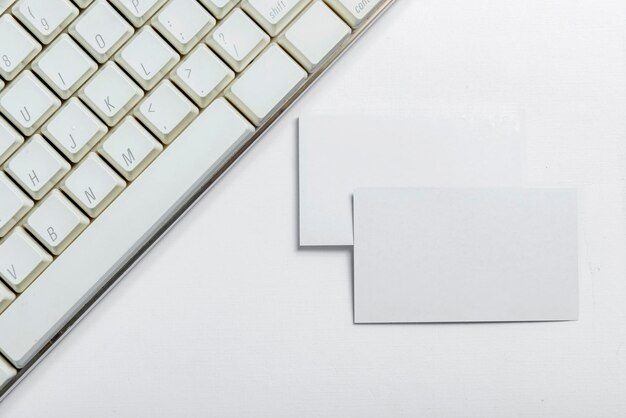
(111, 240)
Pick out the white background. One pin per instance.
(226, 317)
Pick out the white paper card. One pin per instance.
(340, 153)
(465, 255)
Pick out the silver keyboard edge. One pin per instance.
(174, 217)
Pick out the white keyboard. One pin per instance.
(115, 116)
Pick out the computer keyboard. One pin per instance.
(115, 117)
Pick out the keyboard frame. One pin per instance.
(160, 230)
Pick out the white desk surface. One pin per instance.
(226, 317)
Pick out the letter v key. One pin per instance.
(28, 258)
(12, 272)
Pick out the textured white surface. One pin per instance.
(227, 318)
(340, 153)
(465, 254)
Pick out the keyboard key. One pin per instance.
(147, 57)
(238, 40)
(130, 148)
(138, 11)
(353, 11)
(7, 372)
(35, 317)
(266, 84)
(37, 167)
(93, 185)
(64, 66)
(74, 130)
(14, 204)
(6, 297)
(111, 93)
(28, 103)
(219, 8)
(10, 140)
(166, 112)
(17, 48)
(45, 18)
(273, 15)
(314, 36)
(202, 75)
(21, 260)
(101, 30)
(184, 23)
(56, 222)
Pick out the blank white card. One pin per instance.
(465, 255)
(340, 153)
